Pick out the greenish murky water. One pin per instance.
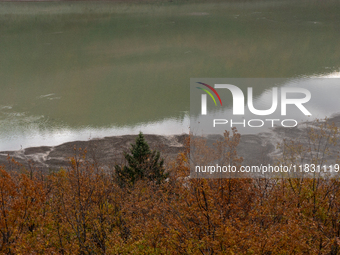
(78, 70)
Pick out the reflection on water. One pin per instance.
(75, 70)
(32, 135)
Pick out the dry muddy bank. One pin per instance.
(108, 151)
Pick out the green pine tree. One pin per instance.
(142, 163)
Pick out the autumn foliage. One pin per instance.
(84, 210)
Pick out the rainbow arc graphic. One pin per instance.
(209, 93)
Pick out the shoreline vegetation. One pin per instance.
(86, 209)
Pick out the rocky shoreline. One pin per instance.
(108, 151)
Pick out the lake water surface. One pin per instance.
(79, 70)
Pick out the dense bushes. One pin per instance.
(84, 210)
